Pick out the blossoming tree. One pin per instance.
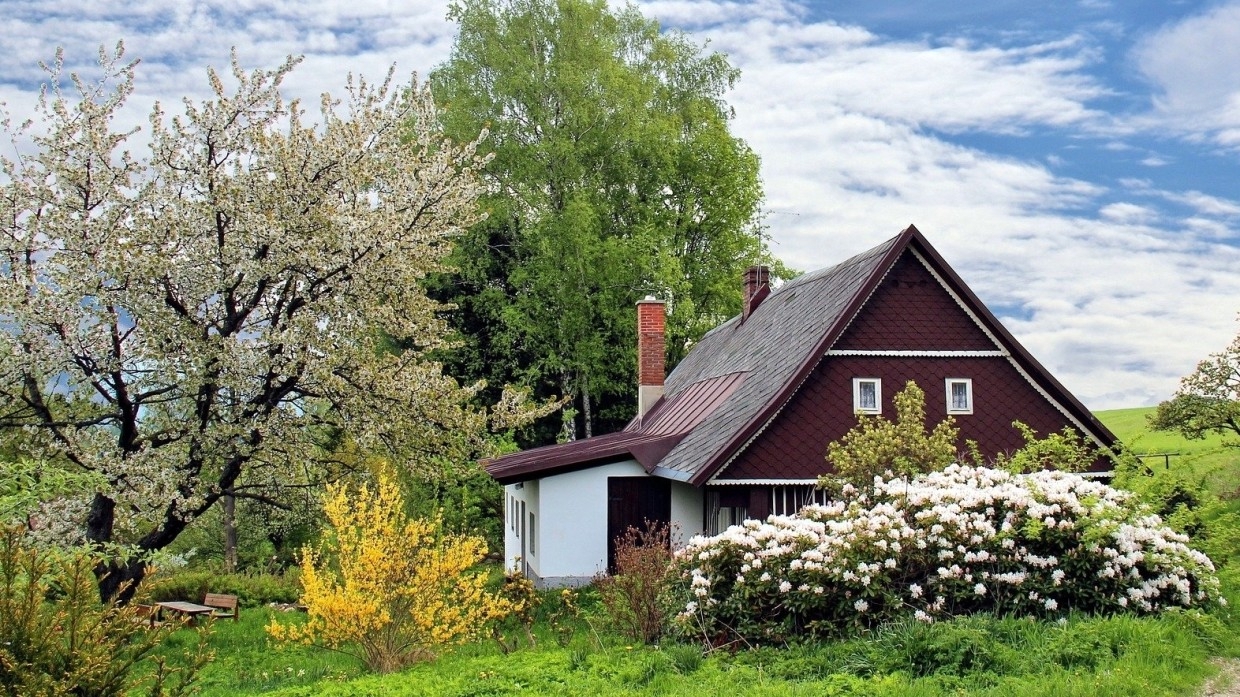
(1208, 400)
(186, 322)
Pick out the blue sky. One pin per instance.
(1076, 162)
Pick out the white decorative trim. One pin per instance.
(1010, 359)
(943, 284)
(760, 482)
(919, 354)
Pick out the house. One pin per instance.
(740, 428)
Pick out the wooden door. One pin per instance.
(631, 501)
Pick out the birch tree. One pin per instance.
(615, 175)
(185, 323)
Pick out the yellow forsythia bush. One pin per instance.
(387, 588)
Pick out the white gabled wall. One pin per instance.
(570, 512)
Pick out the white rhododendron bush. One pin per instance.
(963, 540)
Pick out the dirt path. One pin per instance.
(1227, 682)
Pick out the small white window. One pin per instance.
(867, 395)
(959, 396)
(532, 528)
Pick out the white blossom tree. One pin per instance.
(185, 323)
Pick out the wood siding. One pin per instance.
(909, 311)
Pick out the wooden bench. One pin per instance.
(224, 605)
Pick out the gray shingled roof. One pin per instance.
(772, 344)
(742, 372)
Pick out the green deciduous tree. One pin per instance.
(1208, 400)
(186, 324)
(614, 175)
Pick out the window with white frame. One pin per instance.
(959, 396)
(532, 528)
(867, 395)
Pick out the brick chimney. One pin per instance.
(651, 362)
(757, 287)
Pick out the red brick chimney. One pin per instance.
(651, 363)
(757, 287)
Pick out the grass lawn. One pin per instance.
(1206, 460)
(1086, 656)
(1091, 657)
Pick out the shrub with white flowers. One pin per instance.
(958, 541)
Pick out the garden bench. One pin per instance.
(224, 605)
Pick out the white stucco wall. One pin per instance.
(527, 492)
(575, 524)
(570, 512)
(686, 513)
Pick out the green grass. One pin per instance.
(1206, 460)
(1090, 657)
(983, 656)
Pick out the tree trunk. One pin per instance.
(568, 418)
(230, 533)
(586, 413)
(119, 580)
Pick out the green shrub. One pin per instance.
(632, 598)
(57, 638)
(252, 590)
(950, 543)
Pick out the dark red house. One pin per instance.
(740, 428)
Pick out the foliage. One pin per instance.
(470, 501)
(632, 596)
(33, 491)
(615, 175)
(1082, 657)
(1208, 399)
(947, 543)
(519, 592)
(876, 446)
(391, 588)
(57, 638)
(1066, 451)
(252, 589)
(194, 324)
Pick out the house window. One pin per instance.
(791, 498)
(959, 396)
(724, 509)
(532, 528)
(867, 395)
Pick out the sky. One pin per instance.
(1075, 161)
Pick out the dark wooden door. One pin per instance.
(631, 501)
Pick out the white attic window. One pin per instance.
(959, 395)
(867, 395)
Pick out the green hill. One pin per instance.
(1206, 460)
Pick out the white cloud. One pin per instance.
(845, 122)
(1127, 213)
(1192, 65)
(1119, 290)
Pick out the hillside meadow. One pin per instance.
(577, 653)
